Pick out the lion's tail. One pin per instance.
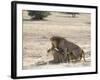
(83, 55)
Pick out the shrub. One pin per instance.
(38, 15)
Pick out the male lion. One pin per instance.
(64, 46)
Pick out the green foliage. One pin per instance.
(38, 15)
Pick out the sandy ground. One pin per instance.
(36, 36)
